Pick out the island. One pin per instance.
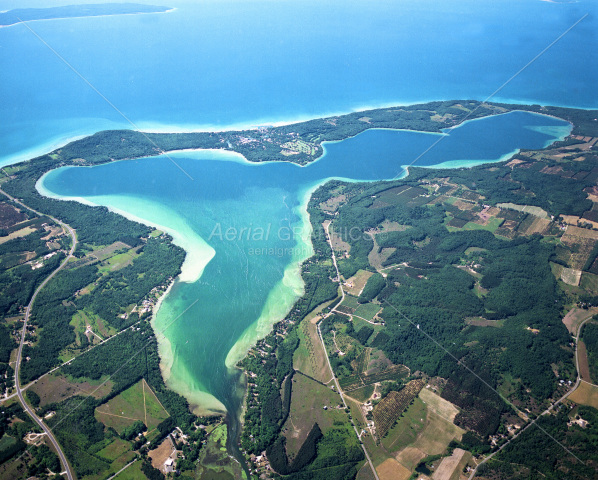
(19, 15)
(455, 333)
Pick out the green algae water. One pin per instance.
(246, 230)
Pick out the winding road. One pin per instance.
(64, 462)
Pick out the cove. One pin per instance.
(246, 231)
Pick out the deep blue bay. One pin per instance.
(247, 222)
(215, 63)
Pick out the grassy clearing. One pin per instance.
(356, 413)
(132, 473)
(585, 394)
(589, 282)
(310, 357)
(55, 388)
(6, 441)
(118, 261)
(492, 224)
(355, 284)
(507, 385)
(116, 449)
(482, 322)
(307, 407)
(136, 403)
(19, 233)
(359, 323)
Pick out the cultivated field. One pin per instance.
(367, 311)
(584, 366)
(439, 405)
(433, 440)
(357, 282)
(585, 394)
(576, 316)
(392, 470)
(392, 406)
(408, 427)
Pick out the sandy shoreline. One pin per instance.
(198, 254)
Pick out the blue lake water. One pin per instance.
(225, 62)
(250, 215)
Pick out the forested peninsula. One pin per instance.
(500, 261)
(19, 15)
(299, 143)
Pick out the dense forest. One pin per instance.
(590, 339)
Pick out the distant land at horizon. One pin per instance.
(19, 15)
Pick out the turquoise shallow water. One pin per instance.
(249, 216)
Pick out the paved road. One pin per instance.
(65, 465)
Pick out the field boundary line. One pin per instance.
(155, 396)
(115, 415)
(144, 407)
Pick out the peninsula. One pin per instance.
(18, 15)
(348, 380)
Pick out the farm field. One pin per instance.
(390, 469)
(357, 281)
(350, 301)
(367, 310)
(407, 427)
(433, 440)
(365, 473)
(585, 394)
(439, 405)
(584, 366)
(576, 316)
(136, 403)
(392, 406)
